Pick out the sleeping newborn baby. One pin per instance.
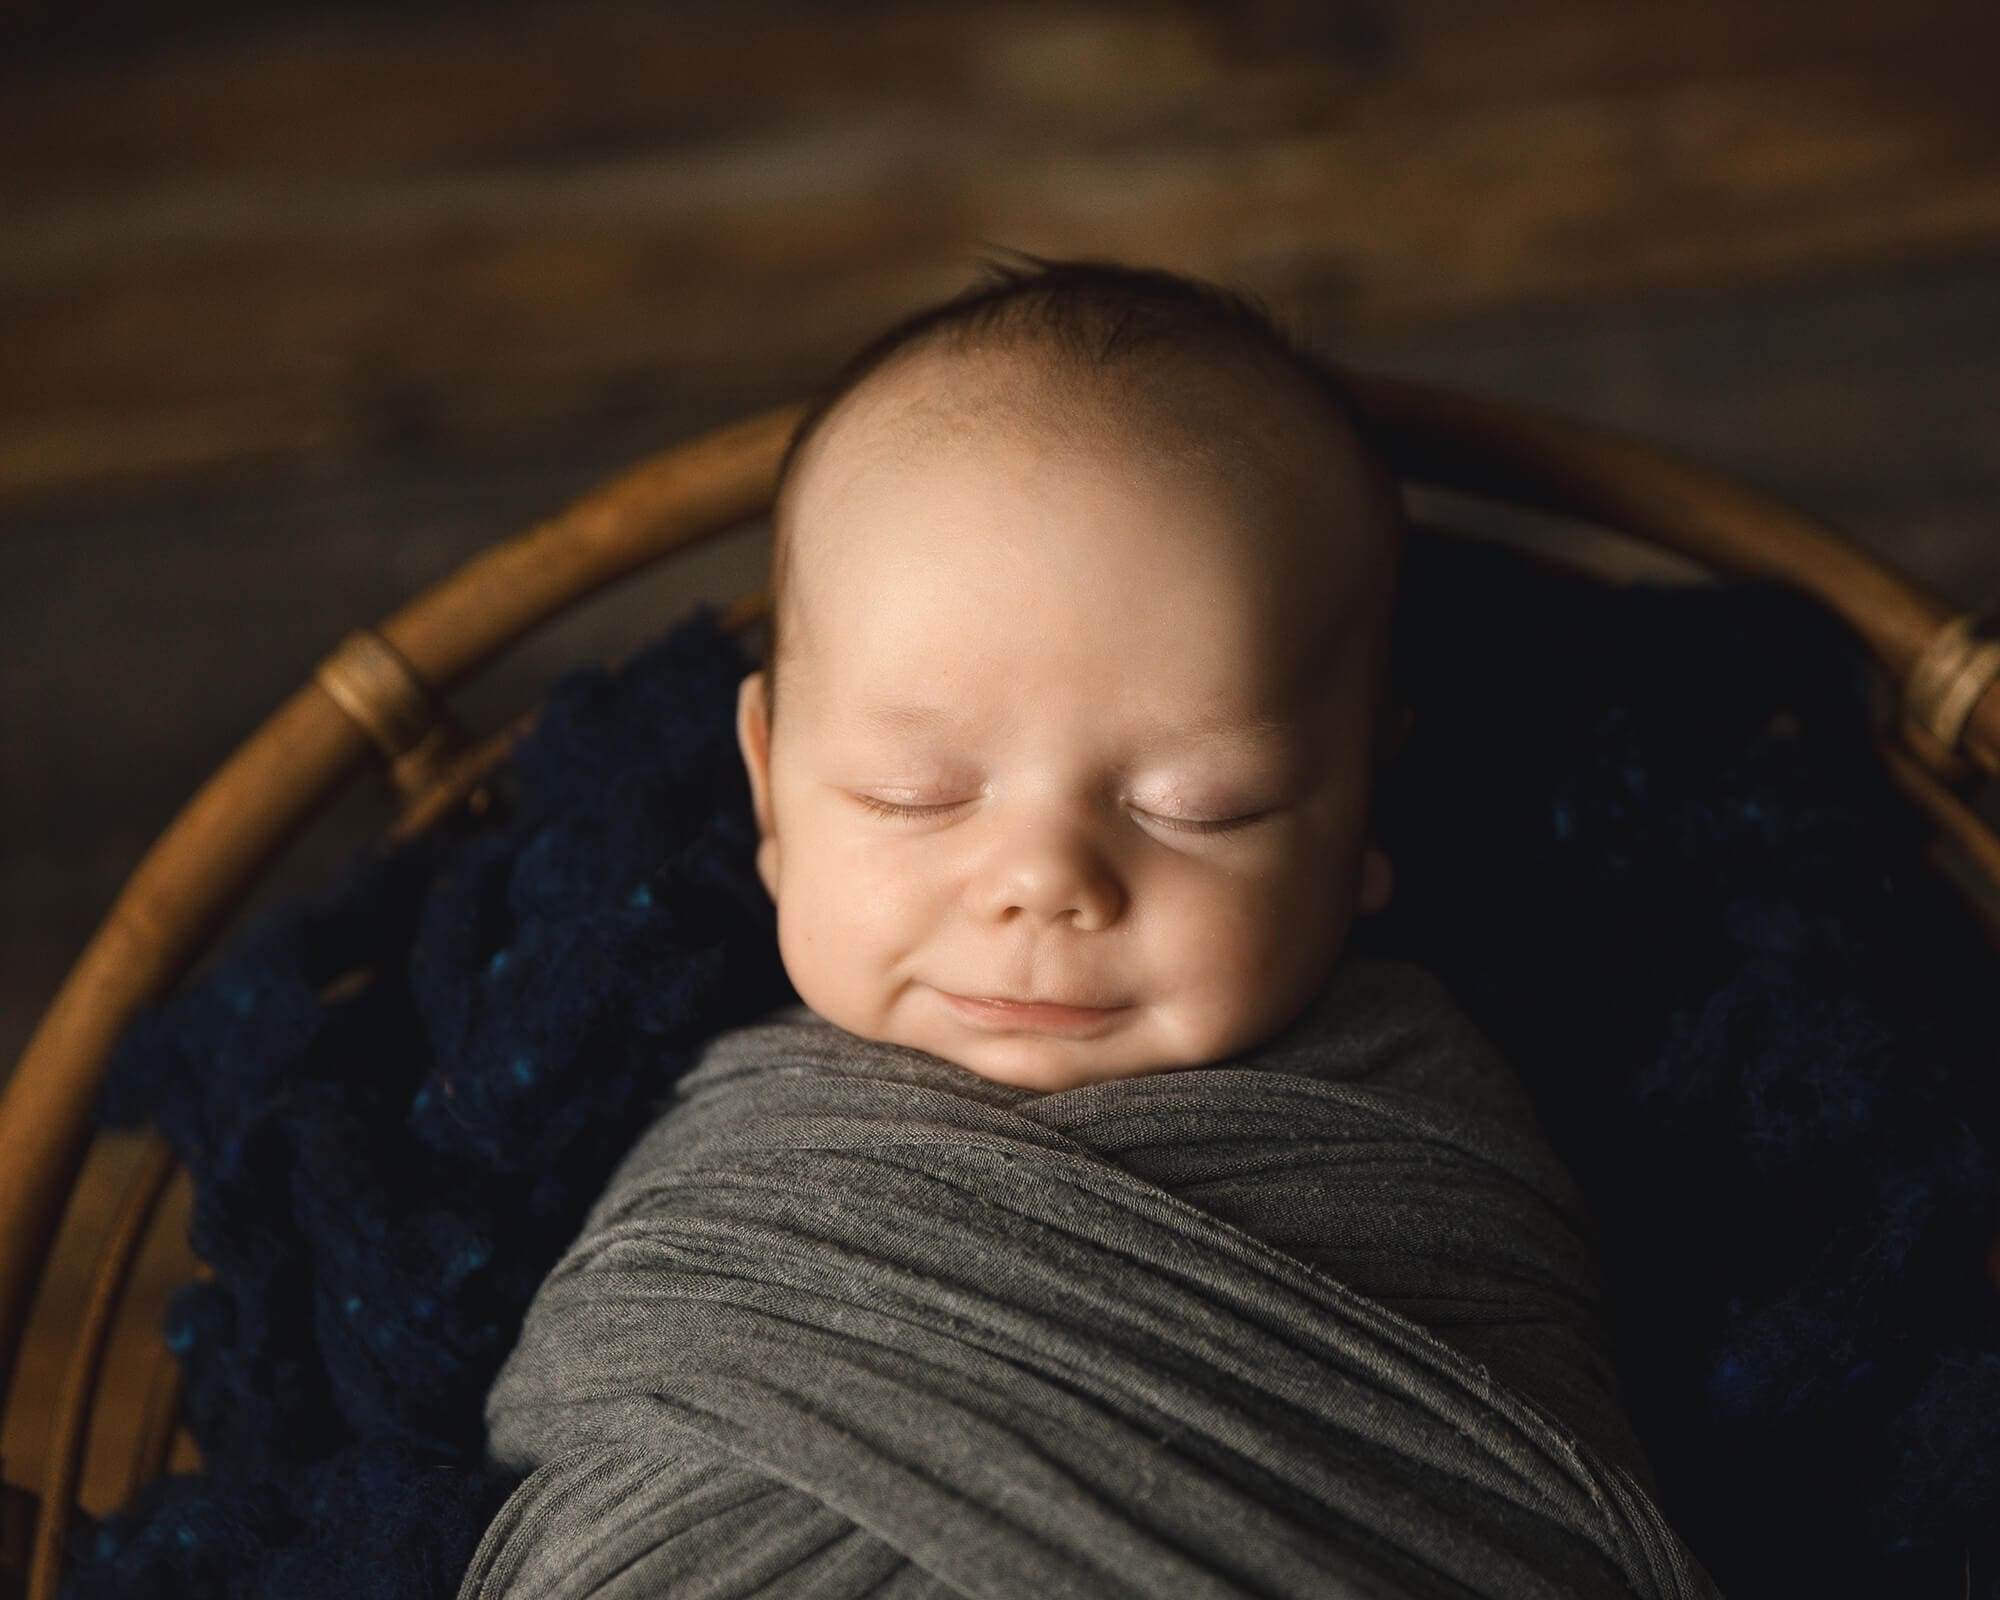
(1090, 1226)
(1077, 686)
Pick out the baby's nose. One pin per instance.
(1052, 877)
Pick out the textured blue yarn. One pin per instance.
(381, 1182)
(1749, 1010)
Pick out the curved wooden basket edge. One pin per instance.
(380, 690)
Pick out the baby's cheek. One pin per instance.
(1205, 937)
(1278, 928)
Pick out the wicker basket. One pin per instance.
(377, 694)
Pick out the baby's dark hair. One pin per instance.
(1096, 313)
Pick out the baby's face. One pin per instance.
(1060, 727)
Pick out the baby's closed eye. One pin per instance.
(1180, 824)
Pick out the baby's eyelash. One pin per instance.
(1179, 825)
(884, 808)
(1228, 826)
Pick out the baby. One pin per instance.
(1081, 587)
(1081, 609)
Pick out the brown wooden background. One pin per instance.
(302, 305)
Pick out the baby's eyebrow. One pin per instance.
(1261, 728)
(904, 715)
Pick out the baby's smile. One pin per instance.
(1018, 1016)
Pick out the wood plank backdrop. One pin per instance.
(302, 305)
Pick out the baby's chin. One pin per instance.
(1052, 1076)
(1048, 1064)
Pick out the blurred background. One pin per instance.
(302, 305)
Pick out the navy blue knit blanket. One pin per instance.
(1641, 834)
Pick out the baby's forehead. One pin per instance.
(1190, 425)
(1195, 422)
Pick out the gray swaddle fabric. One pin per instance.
(1316, 1320)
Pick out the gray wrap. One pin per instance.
(1318, 1320)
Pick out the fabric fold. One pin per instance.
(1320, 1319)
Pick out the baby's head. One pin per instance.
(1077, 687)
